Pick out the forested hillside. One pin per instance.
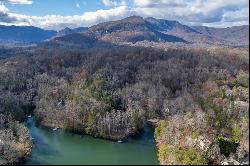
(198, 97)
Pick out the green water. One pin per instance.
(60, 147)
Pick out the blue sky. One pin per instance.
(58, 14)
(57, 7)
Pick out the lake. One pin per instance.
(61, 147)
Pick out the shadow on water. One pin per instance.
(40, 143)
(145, 137)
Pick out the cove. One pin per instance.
(61, 147)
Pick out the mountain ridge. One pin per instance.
(134, 29)
(24, 34)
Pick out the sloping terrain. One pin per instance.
(135, 29)
(68, 31)
(239, 35)
(24, 34)
(131, 29)
(81, 82)
(234, 36)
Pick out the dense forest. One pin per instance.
(198, 98)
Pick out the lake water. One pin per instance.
(60, 147)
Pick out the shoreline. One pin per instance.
(137, 134)
(48, 133)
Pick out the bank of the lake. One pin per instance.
(60, 147)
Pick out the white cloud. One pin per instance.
(195, 12)
(24, 2)
(232, 18)
(158, 3)
(78, 5)
(3, 9)
(58, 22)
(218, 13)
(107, 2)
(239, 15)
(4, 16)
(114, 2)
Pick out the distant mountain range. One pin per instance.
(237, 36)
(131, 30)
(23, 34)
(30, 34)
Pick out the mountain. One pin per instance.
(168, 25)
(76, 40)
(109, 34)
(177, 29)
(236, 36)
(134, 29)
(24, 34)
(131, 29)
(68, 31)
(29, 34)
